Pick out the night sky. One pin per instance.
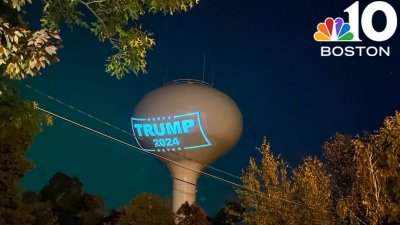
(260, 53)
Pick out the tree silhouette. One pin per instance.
(231, 214)
(145, 209)
(67, 200)
(191, 215)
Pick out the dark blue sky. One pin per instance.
(261, 53)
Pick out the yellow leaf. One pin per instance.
(152, 42)
(11, 68)
(19, 34)
(32, 63)
(51, 50)
(49, 120)
(35, 105)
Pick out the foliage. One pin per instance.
(112, 23)
(145, 209)
(358, 183)
(24, 52)
(375, 193)
(339, 154)
(42, 213)
(66, 198)
(63, 192)
(191, 215)
(20, 122)
(231, 214)
(273, 197)
(313, 190)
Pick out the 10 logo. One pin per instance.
(337, 30)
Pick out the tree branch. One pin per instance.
(96, 1)
(100, 20)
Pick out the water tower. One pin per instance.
(189, 122)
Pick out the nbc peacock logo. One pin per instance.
(333, 30)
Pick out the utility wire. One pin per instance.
(119, 129)
(78, 110)
(164, 158)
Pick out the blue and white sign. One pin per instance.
(170, 133)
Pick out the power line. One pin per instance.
(162, 157)
(119, 129)
(204, 65)
(78, 110)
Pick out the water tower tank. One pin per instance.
(191, 123)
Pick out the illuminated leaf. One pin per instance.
(35, 105)
(49, 120)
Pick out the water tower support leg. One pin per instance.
(183, 191)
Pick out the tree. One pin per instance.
(91, 211)
(42, 213)
(312, 186)
(375, 193)
(339, 155)
(70, 203)
(274, 197)
(24, 52)
(145, 209)
(265, 187)
(191, 215)
(20, 122)
(231, 214)
(358, 183)
(63, 192)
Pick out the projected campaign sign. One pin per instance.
(170, 133)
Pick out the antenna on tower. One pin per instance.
(204, 65)
(212, 79)
(212, 72)
(166, 77)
